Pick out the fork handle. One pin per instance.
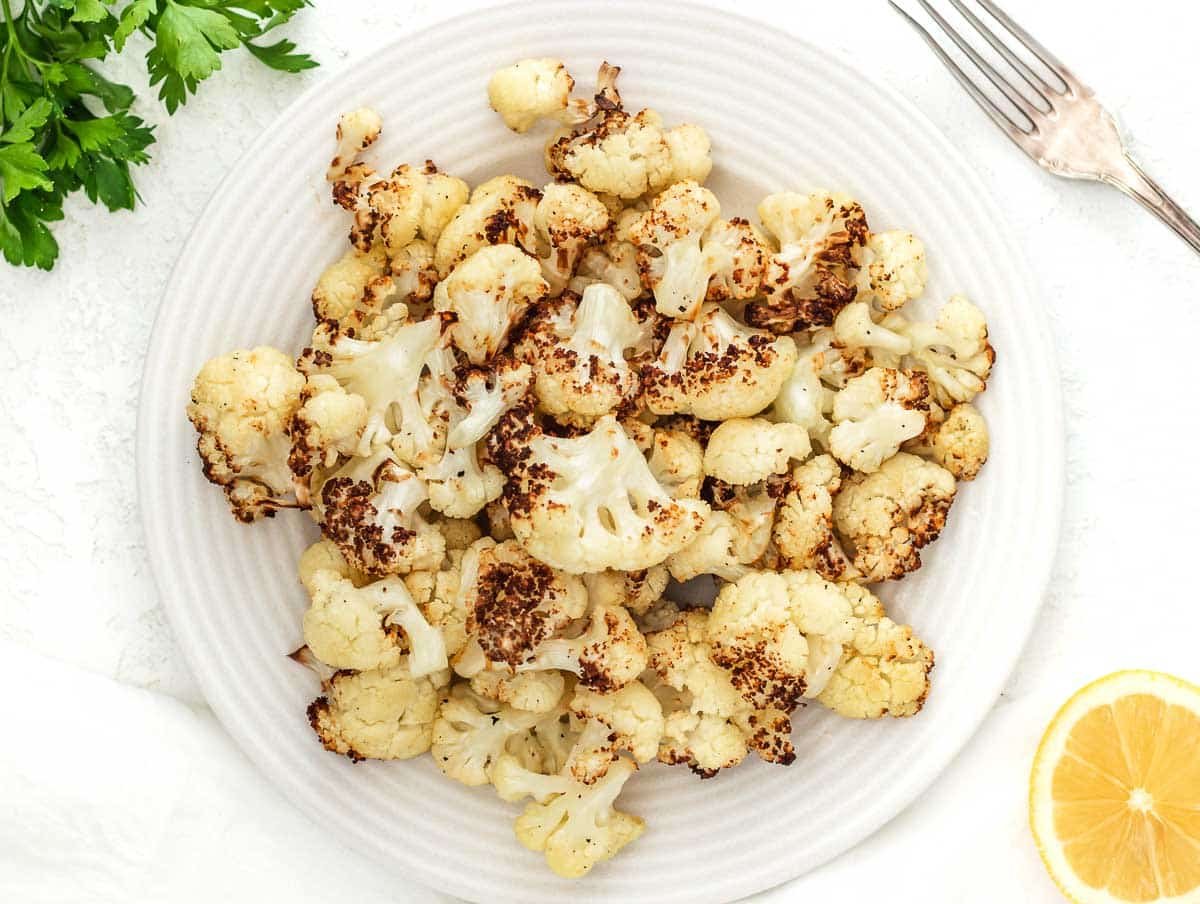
(1135, 183)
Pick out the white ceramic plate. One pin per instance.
(782, 115)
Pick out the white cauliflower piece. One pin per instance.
(588, 503)
(886, 518)
(855, 328)
(743, 451)
(379, 714)
(324, 555)
(811, 278)
(894, 271)
(568, 220)
(410, 204)
(356, 284)
(573, 823)
(609, 654)
(803, 531)
(371, 508)
(884, 670)
(241, 406)
(356, 131)
(328, 425)
(713, 551)
(677, 462)
(629, 719)
(875, 414)
(806, 397)
(954, 351)
(637, 591)
(488, 293)
(668, 239)
(960, 443)
(537, 692)
(370, 627)
(499, 212)
(472, 733)
(715, 368)
(530, 90)
(615, 264)
(780, 635)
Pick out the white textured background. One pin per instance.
(112, 816)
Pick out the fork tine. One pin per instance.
(1015, 97)
(998, 116)
(1034, 46)
(1036, 83)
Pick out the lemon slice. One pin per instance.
(1114, 798)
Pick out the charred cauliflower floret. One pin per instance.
(749, 450)
(780, 634)
(609, 653)
(735, 257)
(637, 591)
(376, 626)
(379, 714)
(499, 212)
(356, 131)
(715, 368)
(893, 271)
(960, 443)
(328, 425)
(412, 203)
(856, 328)
(580, 354)
(488, 293)
(628, 720)
(371, 508)
(813, 274)
(353, 288)
(875, 414)
(588, 503)
(668, 239)
(803, 531)
(708, 724)
(575, 824)
(953, 350)
(242, 405)
(884, 670)
(568, 220)
(886, 518)
(530, 90)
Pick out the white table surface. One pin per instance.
(125, 787)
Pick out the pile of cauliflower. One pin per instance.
(527, 415)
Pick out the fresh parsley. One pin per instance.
(64, 127)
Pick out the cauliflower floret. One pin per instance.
(574, 823)
(894, 271)
(708, 725)
(537, 692)
(379, 714)
(529, 90)
(780, 635)
(855, 328)
(716, 368)
(588, 503)
(325, 556)
(804, 527)
(386, 372)
(668, 239)
(356, 284)
(371, 508)
(439, 594)
(500, 212)
(812, 276)
(749, 450)
(753, 511)
(885, 518)
(370, 627)
(613, 263)
(677, 462)
(884, 670)
(580, 355)
(568, 220)
(714, 551)
(472, 733)
(242, 404)
(630, 719)
(806, 398)
(637, 591)
(874, 415)
(328, 424)
(954, 351)
(735, 257)
(488, 293)
(609, 654)
(356, 131)
(516, 602)
(960, 442)
(410, 204)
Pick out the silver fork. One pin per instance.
(1069, 133)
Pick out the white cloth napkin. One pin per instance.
(116, 795)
